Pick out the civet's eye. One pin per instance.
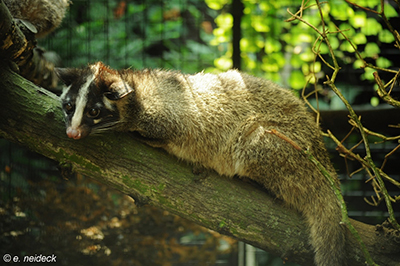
(94, 112)
(69, 108)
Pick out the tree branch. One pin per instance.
(32, 117)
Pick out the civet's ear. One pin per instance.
(27, 24)
(118, 90)
(67, 75)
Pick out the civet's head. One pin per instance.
(89, 99)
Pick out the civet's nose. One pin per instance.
(74, 133)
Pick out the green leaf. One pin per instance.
(223, 63)
(383, 62)
(386, 36)
(305, 68)
(216, 4)
(347, 30)
(273, 62)
(304, 37)
(323, 49)
(295, 61)
(297, 80)
(249, 63)
(358, 20)
(389, 10)
(359, 38)
(358, 64)
(368, 3)
(270, 68)
(264, 6)
(333, 40)
(341, 11)
(316, 67)
(372, 27)
(272, 45)
(288, 38)
(374, 101)
(368, 75)
(224, 20)
(307, 55)
(371, 49)
(346, 46)
(247, 45)
(260, 24)
(221, 36)
(312, 19)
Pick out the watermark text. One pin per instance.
(37, 258)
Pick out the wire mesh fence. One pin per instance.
(176, 34)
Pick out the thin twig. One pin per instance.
(357, 157)
(383, 93)
(389, 154)
(372, 133)
(367, 162)
(331, 83)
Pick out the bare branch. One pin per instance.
(383, 93)
(368, 161)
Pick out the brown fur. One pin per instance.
(45, 15)
(221, 122)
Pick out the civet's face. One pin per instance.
(89, 99)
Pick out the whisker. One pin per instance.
(104, 127)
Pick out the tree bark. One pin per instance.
(12, 40)
(32, 117)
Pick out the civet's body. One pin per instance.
(221, 122)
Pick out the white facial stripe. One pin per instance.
(65, 92)
(95, 69)
(80, 103)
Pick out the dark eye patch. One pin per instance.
(93, 112)
(69, 107)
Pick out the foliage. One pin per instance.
(136, 34)
(283, 51)
(326, 35)
(319, 40)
